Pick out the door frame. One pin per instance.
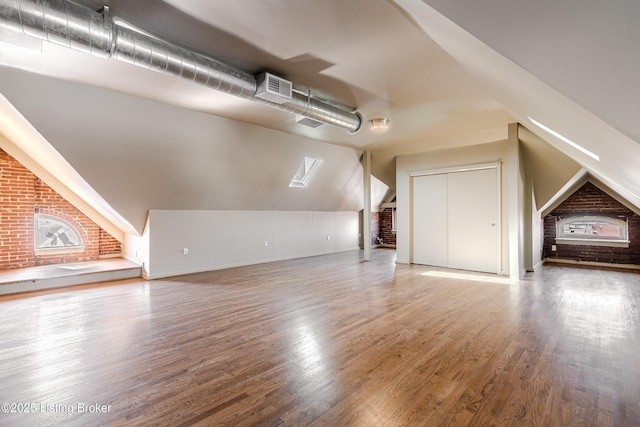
(454, 169)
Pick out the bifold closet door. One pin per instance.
(430, 220)
(473, 220)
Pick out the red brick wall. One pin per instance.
(109, 246)
(22, 195)
(17, 198)
(590, 200)
(386, 227)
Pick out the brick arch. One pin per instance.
(48, 202)
(80, 229)
(22, 195)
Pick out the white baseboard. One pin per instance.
(591, 263)
(203, 269)
(535, 267)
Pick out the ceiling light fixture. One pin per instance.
(379, 124)
(565, 139)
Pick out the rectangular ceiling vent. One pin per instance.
(273, 88)
(304, 120)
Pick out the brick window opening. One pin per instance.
(593, 231)
(55, 235)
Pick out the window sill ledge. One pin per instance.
(593, 242)
(60, 251)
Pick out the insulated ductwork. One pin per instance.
(79, 28)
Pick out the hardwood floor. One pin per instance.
(327, 341)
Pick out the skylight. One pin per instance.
(305, 172)
(565, 139)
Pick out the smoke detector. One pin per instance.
(273, 88)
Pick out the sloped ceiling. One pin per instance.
(165, 157)
(548, 167)
(447, 74)
(570, 66)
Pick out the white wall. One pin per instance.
(536, 235)
(515, 199)
(139, 154)
(136, 248)
(485, 153)
(222, 239)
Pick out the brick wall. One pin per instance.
(381, 228)
(17, 198)
(22, 195)
(375, 228)
(109, 245)
(590, 200)
(386, 227)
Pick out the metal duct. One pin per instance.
(77, 27)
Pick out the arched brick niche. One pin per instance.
(22, 197)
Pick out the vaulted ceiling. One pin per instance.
(446, 74)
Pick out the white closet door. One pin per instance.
(473, 220)
(430, 220)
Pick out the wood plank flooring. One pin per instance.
(327, 341)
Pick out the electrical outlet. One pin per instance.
(266, 243)
(185, 251)
(554, 248)
(328, 237)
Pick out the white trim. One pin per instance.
(454, 169)
(535, 267)
(592, 242)
(565, 139)
(578, 180)
(498, 167)
(59, 251)
(591, 263)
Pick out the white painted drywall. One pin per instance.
(536, 233)
(222, 239)
(515, 181)
(139, 154)
(136, 249)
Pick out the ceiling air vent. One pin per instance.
(273, 88)
(303, 120)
